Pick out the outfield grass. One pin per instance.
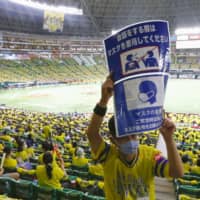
(181, 96)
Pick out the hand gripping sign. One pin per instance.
(138, 56)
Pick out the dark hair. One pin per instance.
(29, 141)
(198, 162)
(48, 159)
(185, 158)
(47, 146)
(111, 126)
(74, 144)
(20, 144)
(7, 150)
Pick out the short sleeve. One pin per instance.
(102, 152)
(161, 166)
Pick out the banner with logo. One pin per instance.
(53, 21)
(139, 58)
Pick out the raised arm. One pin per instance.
(99, 112)
(175, 163)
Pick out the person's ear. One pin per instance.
(114, 141)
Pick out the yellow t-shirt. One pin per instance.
(43, 179)
(10, 163)
(195, 169)
(60, 138)
(22, 154)
(80, 162)
(186, 167)
(30, 151)
(68, 145)
(1, 147)
(6, 138)
(96, 170)
(130, 181)
(47, 131)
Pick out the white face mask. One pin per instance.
(145, 97)
(129, 147)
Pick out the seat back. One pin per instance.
(69, 194)
(43, 193)
(21, 189)
(5, 187)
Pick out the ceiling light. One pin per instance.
(42, 6)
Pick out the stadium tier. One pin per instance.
(85, 178)
(45, 70)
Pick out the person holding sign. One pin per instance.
(130, 168)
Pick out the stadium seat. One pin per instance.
(92, 197)
(82, 169)
(43, 193)
(69, 194)
(21, 189)
(5, 183)
(186, 197)
(193, 191)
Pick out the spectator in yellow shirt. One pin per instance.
(29, 143)
(78, 159)
(49, 174)
(47, 146)
(196, 168)
(186, 163)
(21, 154)
(130, 168)
(9, 162)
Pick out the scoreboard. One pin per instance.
(188, 41)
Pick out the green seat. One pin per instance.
(43, 193)
(95, 177)
(81, 174)
(8, 144)
(83, 168)
(92, 197)
(27, 177)
(197, 176)
(70, 172)
(72, 178)
(69, 194)
(10, 170)
(191, 177)
(193, 191)
(21, 189)
(5, 187)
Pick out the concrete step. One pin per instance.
(164, 189)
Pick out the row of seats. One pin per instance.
(28, 190)
(188, 187)
(49, 70)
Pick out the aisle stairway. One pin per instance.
(164, 189)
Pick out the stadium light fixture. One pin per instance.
(192, 30)
(42, 6)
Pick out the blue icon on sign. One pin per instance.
(147, 92)
(132, 62)
(150, 61)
